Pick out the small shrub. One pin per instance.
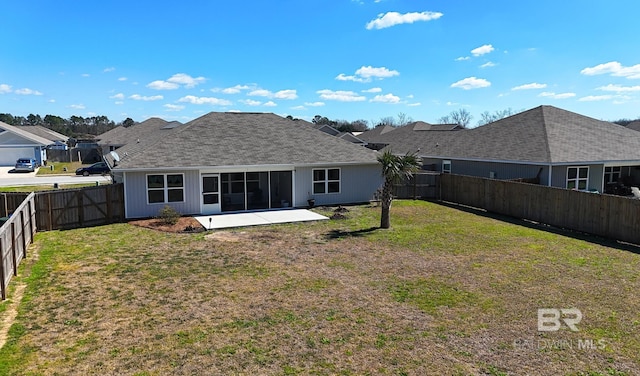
(168, 215)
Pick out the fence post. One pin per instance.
(13, 249)
(24, 238)
(49, 209)
(3, 287)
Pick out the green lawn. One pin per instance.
(443, 292)
(59, 168)
(47, 187)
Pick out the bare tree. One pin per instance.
(462, 117)
(486, 117)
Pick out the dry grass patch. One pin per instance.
(442, 292)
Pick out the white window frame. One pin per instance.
(326, 181)
(446, 166)
(578, 179)
(165, 188)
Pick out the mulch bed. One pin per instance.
(184, 225)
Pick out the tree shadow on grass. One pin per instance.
(339, 234)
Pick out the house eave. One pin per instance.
(242, 168)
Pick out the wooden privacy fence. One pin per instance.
(73, 208)
(609, 216)
(15, 236)
(423, 185)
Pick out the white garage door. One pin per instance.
(8, 156)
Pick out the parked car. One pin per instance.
(26, 164)
(96, 168)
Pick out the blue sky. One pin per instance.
(343, 59)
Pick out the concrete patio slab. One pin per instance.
(220, 221)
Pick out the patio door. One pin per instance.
(210, 193)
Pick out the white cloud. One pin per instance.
(367, 73)
(488, 64)
(86, 75)
(118, 96)
(27, 91)
(251, 102)
(373, 90)
(594, 98)
(482, 50)
(286, 94)
(619, 89)
(282, 94)
(138, 97)
(548, 94)
(107, 70)
(314, 104)
(186, 80)
(298, 108)
(270, 104)
(615, 69)
(462, 58)
(162, 85)
(175, 81)
(382, 72)
(340, 95)
(77, 106)
(394, 18)
(386, 98)
(4, 88)
(531, 86)
(122, 79)
(173, 107)
(471, 83)
(232, 90)
(414, 104)
(205, 100)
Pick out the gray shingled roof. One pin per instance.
(24, 134)
(120, 135)
(46, 133)
(240, 139)
(544, 134)
(635, 125)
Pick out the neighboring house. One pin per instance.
(57, 140)
(635, 125)
(16, 143)
(334, 132)
(120, 136)
(381, 133)
(229, 162)
(546, 144)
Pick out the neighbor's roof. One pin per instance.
(635, 125)
(544, 134)
(120, 135)
(241, 139)
(46, 133)
(24, 134)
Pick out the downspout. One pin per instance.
(549, 179)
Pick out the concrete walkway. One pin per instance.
(220, 221)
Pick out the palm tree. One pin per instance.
(395, 168)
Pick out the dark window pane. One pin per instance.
(156, 196)
(582, 184)
(237, 176)
(573, 172)
(253, 176)
(155, 181)
(571, 184)
(210, 199)
(334, 174)
(334, 187)
(318, 188)
(584, 172)
(174, 181)
(210, 184)
(318, 175)
(237, 187)
(175, 195)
